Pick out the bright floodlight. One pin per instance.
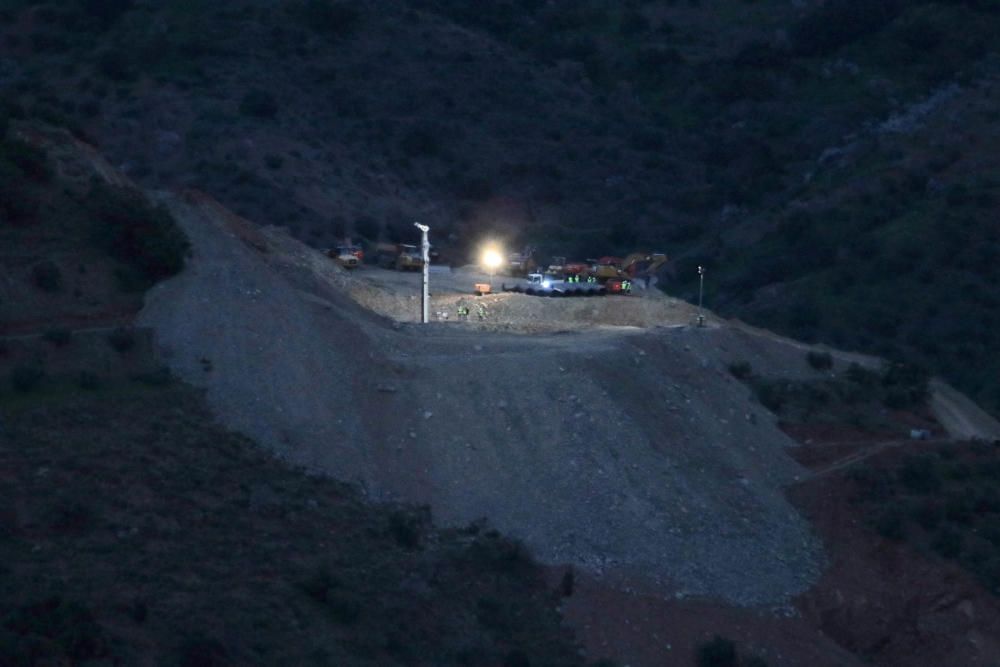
(492, 259)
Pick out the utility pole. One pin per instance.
(701, 293)
(425, 254)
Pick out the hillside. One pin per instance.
(729, 133)
(674, 482)
(136, 530)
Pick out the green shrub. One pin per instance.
(328, 590)
(959, 508)
(947, 542)
(122, 339)
(24, 379)
(47, 276)
(420, 142)
(821, 361)
(405, 529)
(87, 380)
(158, 378)
(18, 204)
(200, 651)
(319, 585)
(491, 552)
(29, 160)
(330, 18)
(837, 23)
(889, 524)
(55, 631)
(259, 104)
(59, 336)
(567, 583)
(907, 385)
(116, 65)
(861, 375)
(927, 514)
(719, 652)
(874, 484)
(920, 474)
(741, 370)
(132, 230)
(106, 11)
(770, 394)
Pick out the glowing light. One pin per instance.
(492, 259)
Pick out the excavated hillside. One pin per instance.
(616, 449)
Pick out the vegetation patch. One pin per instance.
(859, 397)
(944, 502)
(722, 652)
(321, 577)
(142, 236)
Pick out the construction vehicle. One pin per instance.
(581, 269)
(606, 268)
(399, 256)
(538, 284)
(556, 267)
(348, 256)
(643, 264)
(482, 289)
(521, 263)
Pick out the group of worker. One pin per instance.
(463, 311)
(575, 278)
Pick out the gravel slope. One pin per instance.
(630, 450)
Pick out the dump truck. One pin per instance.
(399, 256)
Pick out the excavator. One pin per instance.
(641, 265)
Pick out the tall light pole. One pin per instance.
(425, 255)
(492, 259)
(701, 293)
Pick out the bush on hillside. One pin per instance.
(420, 142)
(106, 11)
(837, 23)
(24, 379)
(719, 652)
(132, 230)
(54, 632)
(259, 104)
(947, 542)
(122, 340)
(333, 19)
(30, 160)
(87, 380)
(58, 336)
(741, 370)
(116, 65)
(18, 204)
(821, 361)
(47, 276)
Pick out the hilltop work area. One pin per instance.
(615, 438)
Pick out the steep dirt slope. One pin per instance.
(635, 452)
